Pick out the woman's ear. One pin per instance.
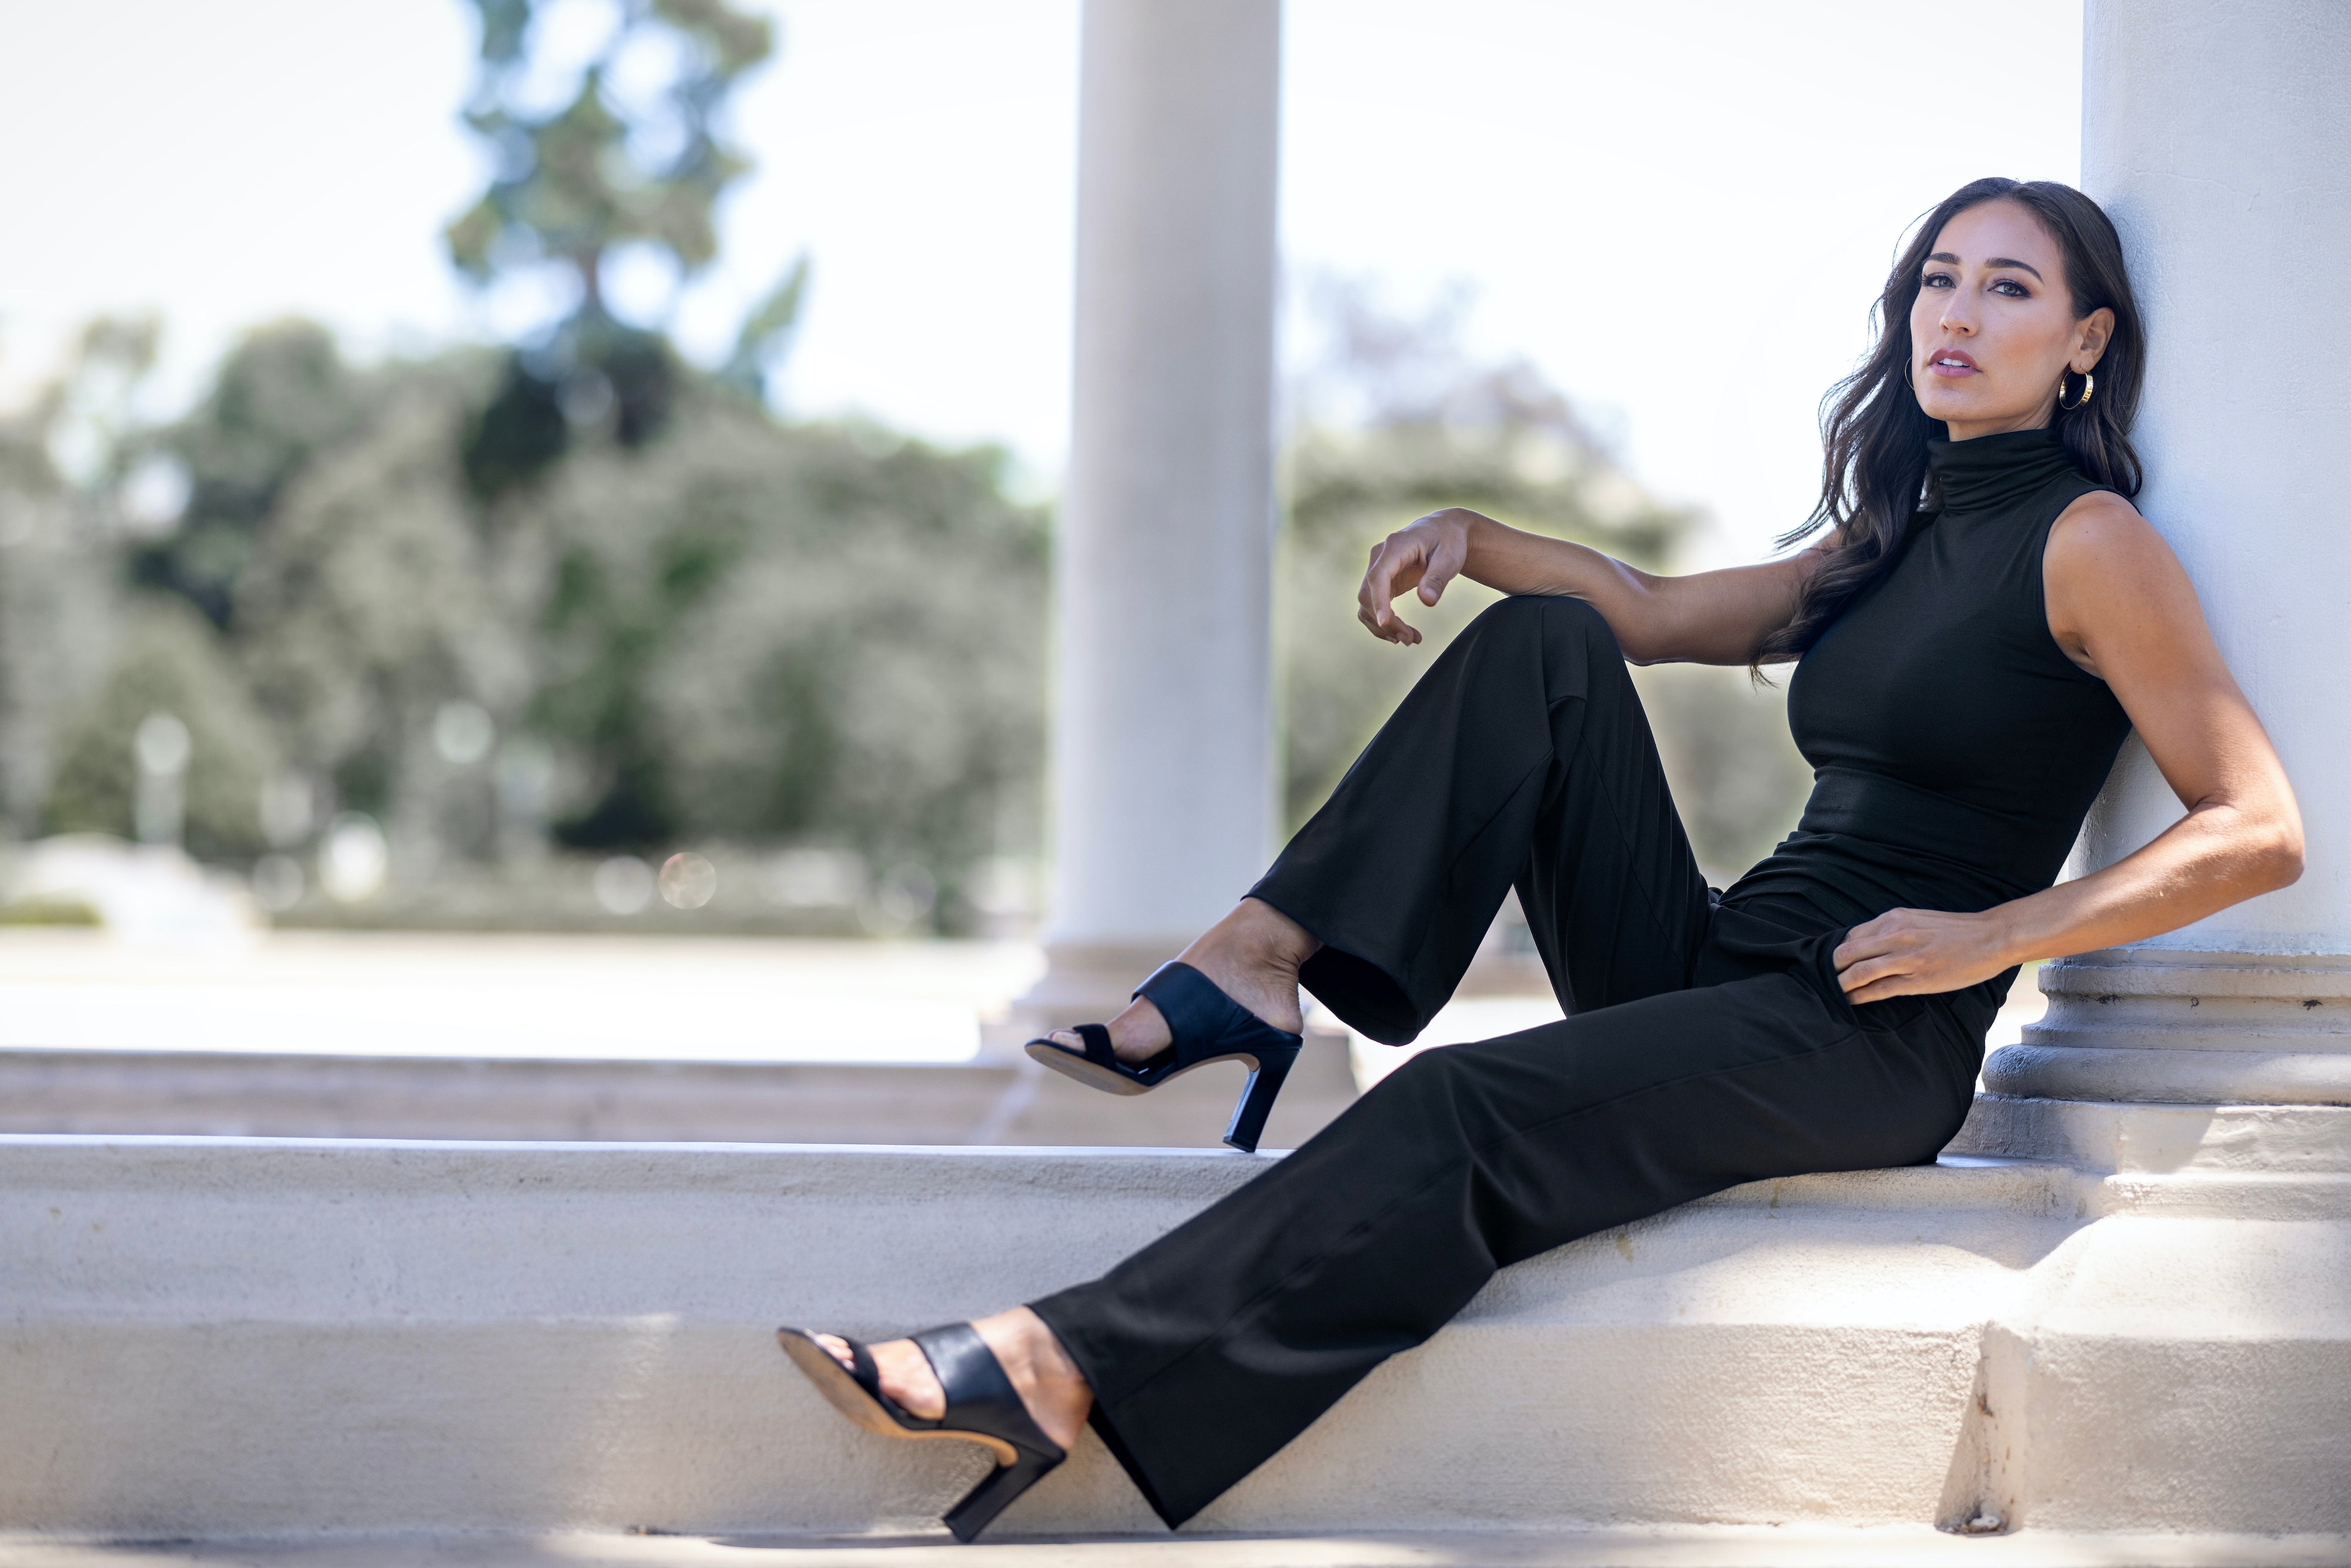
(2090, 343)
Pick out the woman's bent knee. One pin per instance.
(1548, 618)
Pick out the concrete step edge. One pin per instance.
(1683, 1546)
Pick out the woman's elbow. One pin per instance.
(2255, 848)
(2277, 852)
(2285, 858)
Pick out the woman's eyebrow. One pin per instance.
(1944, 255)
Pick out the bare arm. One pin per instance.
(2122, 609)
(1708, 618)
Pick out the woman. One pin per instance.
(1985, 620)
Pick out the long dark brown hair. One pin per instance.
(1874, 433)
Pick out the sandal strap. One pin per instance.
(1096, 1039)
(869, 1377)
(1098, 1049)
(980, 1395)
(1198, 1013)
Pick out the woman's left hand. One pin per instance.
(1908, 952)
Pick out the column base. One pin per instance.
(2243, 1156)
(2182, 1026)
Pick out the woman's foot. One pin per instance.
(1048, 1381)
(1252, 956)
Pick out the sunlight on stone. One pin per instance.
(397, 994)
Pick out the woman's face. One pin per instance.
(1993, 326)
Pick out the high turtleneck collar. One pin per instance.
(1994, 471)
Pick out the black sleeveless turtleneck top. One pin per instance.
(1955, 748)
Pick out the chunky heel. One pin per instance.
(982, 1408)
(994, 1494)
(1256, 1102)
(1206, 1026)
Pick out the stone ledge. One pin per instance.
(1689, 1546)
(232, 1337)
(287, 1095)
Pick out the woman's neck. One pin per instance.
(1968, 430)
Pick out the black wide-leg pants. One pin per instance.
(1707, 1043)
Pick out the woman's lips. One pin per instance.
(1952, 362)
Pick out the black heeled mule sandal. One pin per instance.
(1208, 1026)
(982, 1407)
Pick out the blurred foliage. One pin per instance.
(607, 146)
(579, 591)
(633, 151)
(743, 629)
(766, 335)
(675, 614)
(57, 558)
(739, 630)
(832, 633)
(282, 394)
(874, 671)
(167, 660)
(576, 591)
(371, 600)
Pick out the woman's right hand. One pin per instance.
(1426, 554)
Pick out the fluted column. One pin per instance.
(1163, 746)
(2218, 135)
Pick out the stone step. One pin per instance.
(282, 1094)
(232, 1338)
(1684, 1546)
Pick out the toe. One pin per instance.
(839, 1349)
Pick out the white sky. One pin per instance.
(1680, 209)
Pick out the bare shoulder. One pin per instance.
(2100, 547)
(2108, 576)
(2102, 529)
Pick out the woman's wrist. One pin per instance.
(1475, 528)
(2007, 935)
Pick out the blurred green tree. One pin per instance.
(606, 129)
(59, 539)
(374, 598)
(873, 671)
(166, 659)
(282, 394)
(636, 153)
(748, 631)
(767, 633)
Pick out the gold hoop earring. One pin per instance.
(2089, 383)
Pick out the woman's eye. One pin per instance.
(2013, 289)
(1935, 280)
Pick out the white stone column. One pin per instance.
(1163, 746)
(2218, 135)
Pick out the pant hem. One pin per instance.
(1376, 1017)
(1104, 1423)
